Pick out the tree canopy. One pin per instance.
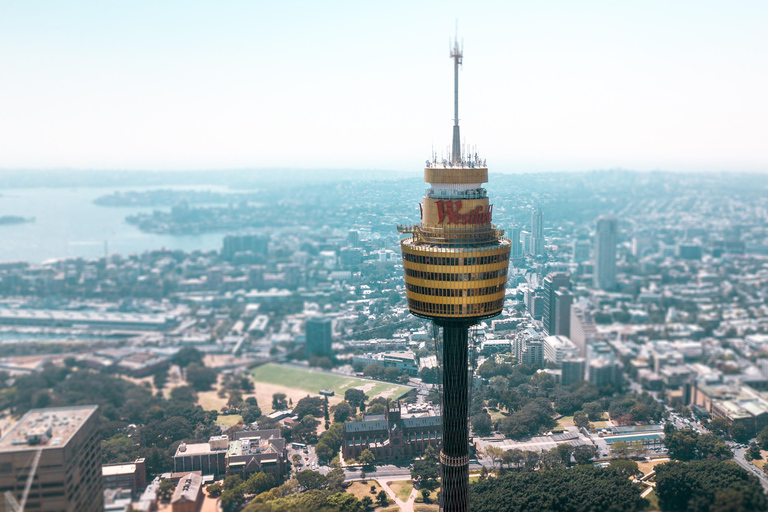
(708, 486)
(578, 489)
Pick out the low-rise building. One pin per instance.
(403, 360)
(188, 496)
(391, 437)
(210, 457)
(252, 451)
(131, 477)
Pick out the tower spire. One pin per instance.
(457, 55)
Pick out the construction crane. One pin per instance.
(10, 501)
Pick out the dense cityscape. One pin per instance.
(242, 271)
(284, 371)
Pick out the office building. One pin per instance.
(59, 449)
(516, 253)
(552, 283)
(573, 370)
(239, 245)
(319, 338)
(605, 252)
(455, 265)
(563, 302)
(583, 330)
(537, 231)
(604, 371)
(557, 349)
(581, 250)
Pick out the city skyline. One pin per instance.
(554, 87)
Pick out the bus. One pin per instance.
(298, 446)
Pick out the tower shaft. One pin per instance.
(454, 457)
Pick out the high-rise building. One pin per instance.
(319, 339)
(57, 453)
(581, 250)
(250, 243)
(583, 331)
(537, 231)
(455, 267)
(573, 370)
(517, 245)
(557, 349)
(552, 283)
(563, 302)
(605, 252)
(604, 371)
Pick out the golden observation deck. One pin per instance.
(455, 260)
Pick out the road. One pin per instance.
(738, 456)
(391, 471)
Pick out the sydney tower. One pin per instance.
(455, 274)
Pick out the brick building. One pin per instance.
(391, 437)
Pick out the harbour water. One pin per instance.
(68, 225)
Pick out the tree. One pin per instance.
(594, 410)
(762, 438)
(296, 459)
(342, 411)
(494, 453)
(165, 489)
(739, 433)
(626, 467)
(355, 397)
(312, 406)
(382, 499)
(754, 451)
(258, 483)
(581, 419)
(719, 426)
(565, 451)
(367, 502)
(278, 402)
(620, 450)
(232, 482)
(582, 488)
(309, 480)
(232, 500)
(377, 409)
(426, 471)
(200, 377)
(187, 356)
(698, 485)
(335, 479)
(366, 458)
(482, 424)
(235, 399)
(584, 453)
(425, 494)
(391, 374)
(184, 394)
(374, 371)
(214, 490)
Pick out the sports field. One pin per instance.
(313, 382)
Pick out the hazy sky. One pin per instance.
(675, 85)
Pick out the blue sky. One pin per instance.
(546, 86)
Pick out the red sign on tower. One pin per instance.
(451, 211)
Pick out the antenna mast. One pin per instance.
(457, 55)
